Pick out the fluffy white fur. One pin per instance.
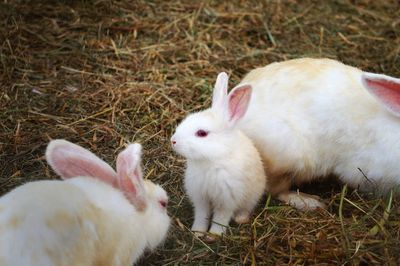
(79, 221)
(312, 117)
(224, 177)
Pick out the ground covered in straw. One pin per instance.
(105, 73)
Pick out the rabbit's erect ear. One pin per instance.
(130, 179)
(220, 92)
(384, 88)
(238, 103)
(70, 160)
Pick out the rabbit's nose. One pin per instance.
(173, 141)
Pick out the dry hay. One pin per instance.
(104, 73)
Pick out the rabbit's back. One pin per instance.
(313, 117)
(46, 223)
(55, 223)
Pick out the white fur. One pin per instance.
(313, 117)
(79, 221)
(224, 177)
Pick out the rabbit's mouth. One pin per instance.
(178, 147)
(179, 150)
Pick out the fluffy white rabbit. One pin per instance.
(224, 177)
(313, 117)
(95, 217)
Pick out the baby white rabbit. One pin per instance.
(224, 177)
(95, 217)
(313, 117)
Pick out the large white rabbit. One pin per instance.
(224, 177)
(95, 217)
(312, 117)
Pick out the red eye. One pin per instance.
(201, 133)
(163, 203)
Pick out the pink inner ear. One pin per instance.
(127, 186)
(238, 102)
(133, 191)
(125, 171)
(68, 167)
(70, 160)
(387, 91)
(130, 177)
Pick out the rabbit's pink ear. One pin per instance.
(130, 179)
(238, 103)
(70, 160)
(384, 88)
(220, 92)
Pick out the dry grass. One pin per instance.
(104, 73)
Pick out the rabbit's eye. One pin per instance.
(201, 133)
(163, 203)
